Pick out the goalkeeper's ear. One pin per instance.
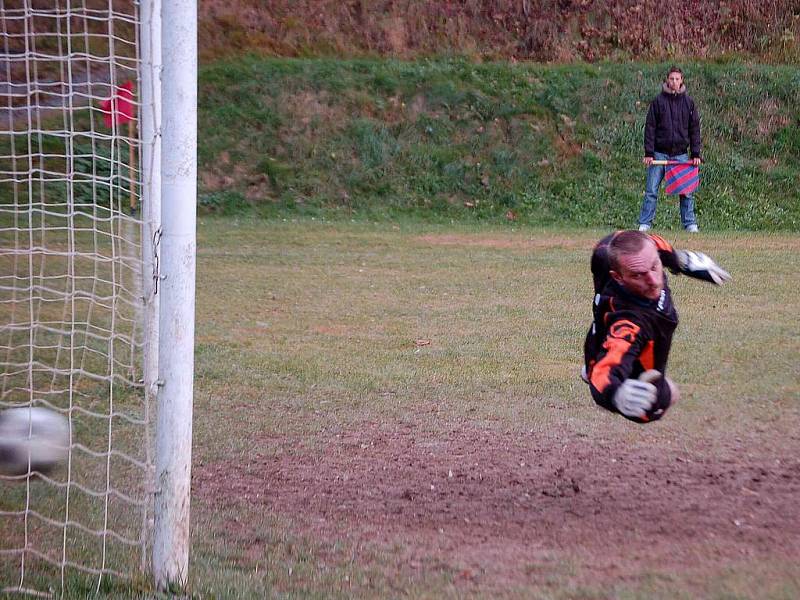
(700, 266)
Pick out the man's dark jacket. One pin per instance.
(672, 125)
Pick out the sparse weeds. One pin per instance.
(501, 29)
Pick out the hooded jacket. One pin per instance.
(672, 125)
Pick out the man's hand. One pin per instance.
(636, 396)
(697, 161)
(700, 266)
(648, 160)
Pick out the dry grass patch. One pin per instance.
(504, 243)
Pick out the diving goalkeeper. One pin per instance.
(628, 344)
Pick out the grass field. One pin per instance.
(387, 410)
(392, 297)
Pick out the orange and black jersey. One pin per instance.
(629, 334)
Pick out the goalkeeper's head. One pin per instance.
(635, 264)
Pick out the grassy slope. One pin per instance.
(456, 140)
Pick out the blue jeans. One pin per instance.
(655, 175)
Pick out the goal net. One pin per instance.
(79, 253)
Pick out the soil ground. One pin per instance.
(503, 508)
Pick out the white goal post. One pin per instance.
(98, 115)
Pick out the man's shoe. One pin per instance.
(644, 227)
(692, 228)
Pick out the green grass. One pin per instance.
(323, 338)
(453, 140)
(384, 188)
(304, 328)
(506, 311)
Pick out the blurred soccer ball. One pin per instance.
(35, 437)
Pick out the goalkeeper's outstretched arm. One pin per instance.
(701, 266)
(691, 263)
(687, 262)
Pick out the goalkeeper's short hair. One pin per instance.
(625, 243)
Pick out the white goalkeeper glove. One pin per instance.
(699, 265)
(636, 396)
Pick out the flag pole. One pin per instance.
(671, 162)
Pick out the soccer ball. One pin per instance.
(35, 437)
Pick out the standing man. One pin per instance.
(628, 344)
(672, 126)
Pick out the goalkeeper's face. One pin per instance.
(641, 273)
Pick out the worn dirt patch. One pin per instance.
(510, 243)
(759, 242)
(501, 508)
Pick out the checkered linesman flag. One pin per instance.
(682, 178)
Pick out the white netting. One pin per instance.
(72, 297)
